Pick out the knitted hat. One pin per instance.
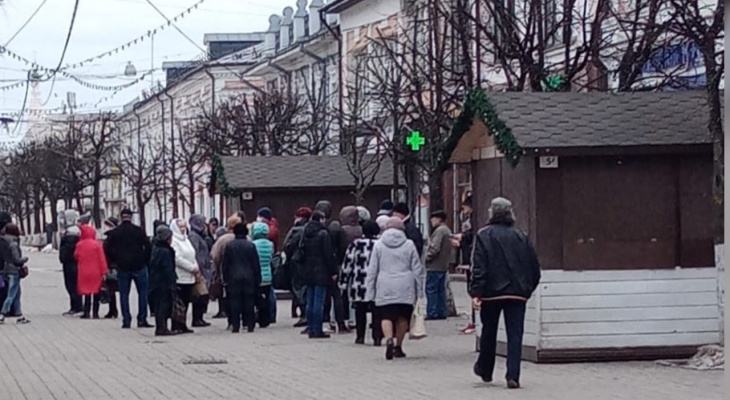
(304, 212)
(382, 221)
(265, 212)
(163, 233)
(370, 229)
(363, 214)
(395, 223)
(401, 208)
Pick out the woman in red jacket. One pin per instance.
(92, 269)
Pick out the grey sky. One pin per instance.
(102, 25)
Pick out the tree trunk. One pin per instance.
(141, 210)
(436, 191)
(191, 192)
(96, 206)
(28, 215)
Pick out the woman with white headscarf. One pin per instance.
(186, 268)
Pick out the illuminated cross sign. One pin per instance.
(415, 140)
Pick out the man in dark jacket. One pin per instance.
(291, 243)
(402, 211)
(505, 272)
(320, 269)
(242, 277)
(66, 256)
(162, 278)
(128, 247)
(336, 235)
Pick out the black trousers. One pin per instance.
(200, 305)
(334, 298)
(263, 306)
(185, 291)
(88, 300)
(70, 281)
(361, 320)
(163, 308)
(514, 321)
(242, 305)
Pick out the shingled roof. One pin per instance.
(286, 172)
(540, 120)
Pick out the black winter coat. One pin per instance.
(240, 266)
(127, 247)
(162, 267)
(413, 233)
(320, 264)
(291, 242)
(505, 263)
(66, 250)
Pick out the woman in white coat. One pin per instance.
(186, 268)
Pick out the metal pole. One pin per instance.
(152, 63)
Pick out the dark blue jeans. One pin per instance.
(436, 295)
(141, 283)
(315, 308)
(514, 322)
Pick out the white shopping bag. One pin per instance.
(418, 321)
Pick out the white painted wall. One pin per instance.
(604, 309)
(614, 309)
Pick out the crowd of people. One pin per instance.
(379, 265)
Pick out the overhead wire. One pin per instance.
(63, 54)
(26, 22)
(175, 26)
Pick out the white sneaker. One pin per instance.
(327, 328)
(2, 319)
(22, 321)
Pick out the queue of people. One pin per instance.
(382, 268)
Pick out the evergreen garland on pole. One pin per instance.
(220, 176)
(477, 105)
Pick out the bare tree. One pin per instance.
(417, 81)
(318, 116)
(100, 144)
(142, 171)
(517, 40)
(192, 162)
(705, 27)
(267, 123)
(360, 136)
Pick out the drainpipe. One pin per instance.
(211, 196)
(212, 90)
(173, 180)
(164, 159)
(340, 76)
(135, 111)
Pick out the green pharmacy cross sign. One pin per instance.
(415, 140)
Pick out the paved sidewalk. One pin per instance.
(58, 357)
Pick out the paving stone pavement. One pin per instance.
(58, 357)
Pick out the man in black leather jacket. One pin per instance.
(505, 273)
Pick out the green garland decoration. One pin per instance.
(220, 176)
(477, 105)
